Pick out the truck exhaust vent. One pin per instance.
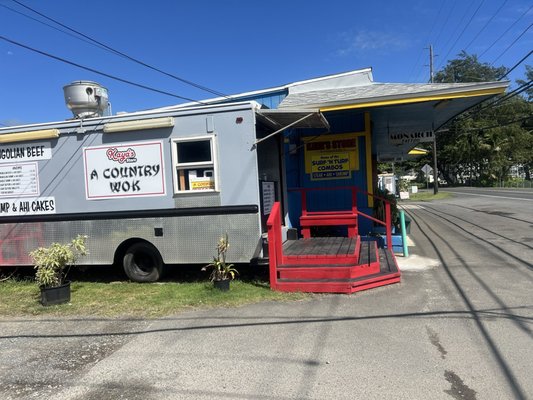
(86, 99)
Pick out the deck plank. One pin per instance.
(327, 246)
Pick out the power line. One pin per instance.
(462, 32)
(441, 28)
(512, 44)
(516, 65)
(117, 52)
(429, 37)
(97, 71)
(521, 119)
(499, 101)
(486, 24)
(504, 33)
(51, 26)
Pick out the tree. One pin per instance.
(529, 78)
(482, 145)
(467, 68)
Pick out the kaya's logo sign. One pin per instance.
(115, 154)
(131, 170)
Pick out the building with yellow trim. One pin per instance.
(339, 126)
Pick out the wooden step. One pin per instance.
(388, 273)
(368, 264)
(326, 250)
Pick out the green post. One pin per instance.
(404, 234)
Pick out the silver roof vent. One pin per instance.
(86, 99)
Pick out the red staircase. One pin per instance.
(329, 264)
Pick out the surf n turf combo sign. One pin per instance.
(331, 156)
(124, 170)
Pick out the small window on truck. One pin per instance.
(194, 164)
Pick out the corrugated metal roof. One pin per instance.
(380, 92)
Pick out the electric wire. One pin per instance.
(498, 102)
(504, 33)
(516, 65)
(51, 26)
(462, 32)
(512, 44)
(521, 119)
(97, 71)
(486, 24)
(117, 52)
(445, 22)
(429, 37)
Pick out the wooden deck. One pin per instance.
(323, 246)
(327, 264)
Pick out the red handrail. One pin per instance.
(274, 243)
(387, 223)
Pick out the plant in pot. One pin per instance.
(221, 272)
(52, 265)
(379, 207)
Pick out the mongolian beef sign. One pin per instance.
(130, 170)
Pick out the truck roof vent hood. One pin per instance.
(86, 99)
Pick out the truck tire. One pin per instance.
(142, 263)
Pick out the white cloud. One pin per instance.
(9, 53)
(367, 41)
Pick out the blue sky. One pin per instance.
(236, 46)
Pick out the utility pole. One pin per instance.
(435, 172)
(431, 63)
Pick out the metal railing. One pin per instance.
(354, 190)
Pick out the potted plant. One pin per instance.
(403, 186)
(51, 264)
(222, 272)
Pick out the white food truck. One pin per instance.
(148, 188)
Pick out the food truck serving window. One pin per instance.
(194, 164)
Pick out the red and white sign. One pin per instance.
(124, 170)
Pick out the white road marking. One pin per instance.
(490, 195)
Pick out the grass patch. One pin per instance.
(428, 196)
(20, 297)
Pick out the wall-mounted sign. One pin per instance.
(124, 170)
(331, 156)
(404, 137)
(201, 181)
(330, 166)
(28, 206)
(34, 152)
(18, 180)
(268, 193)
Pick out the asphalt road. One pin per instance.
(459, 326)
(501, 193)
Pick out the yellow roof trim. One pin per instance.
(473, 93)
(417, 152)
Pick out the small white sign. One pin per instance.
(124, 170)
(33, 152)
(28, 206)
(269, 196)
(18, 180)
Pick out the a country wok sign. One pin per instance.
(404, 137)
(124, 170)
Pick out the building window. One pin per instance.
(194, 164)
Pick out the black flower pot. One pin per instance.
(55, 295)
(222, 284)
